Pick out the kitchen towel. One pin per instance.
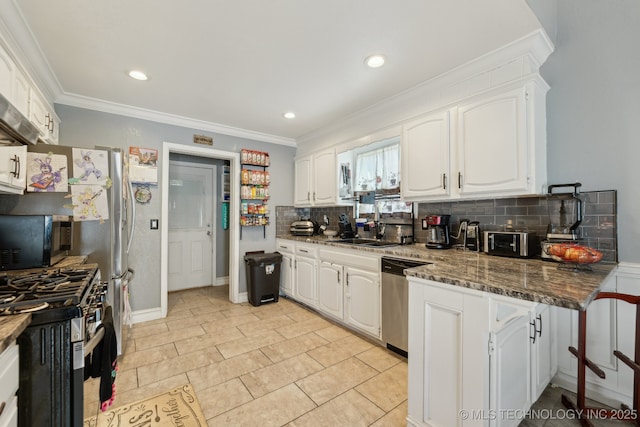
(104, 361)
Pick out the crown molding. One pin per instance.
(529, 52)
(88, 103)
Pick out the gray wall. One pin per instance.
(86, 128)
(594, 103)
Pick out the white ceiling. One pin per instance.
(242, 63)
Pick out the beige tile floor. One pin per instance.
(274, 365)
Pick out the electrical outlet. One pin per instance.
(154, 224)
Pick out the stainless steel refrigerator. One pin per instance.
(106, 243)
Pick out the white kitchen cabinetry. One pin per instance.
(330, 289)
(510, 361)
(303, 181)
(305, 286)
(544, 362)
(448, 336)
(362, 300)
(472, 350)
(492, 144)
(316, 179)
(287, 250)
(13, 83)
(44, 119)
(425, 156)
(13, 169)
(9, 369)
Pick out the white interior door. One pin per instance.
(191, 225)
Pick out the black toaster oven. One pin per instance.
(516, 244)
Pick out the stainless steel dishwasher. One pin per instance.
(395, 303)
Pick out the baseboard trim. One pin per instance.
(140, 316)
(593, 391)
(221, 281)
(243, 297)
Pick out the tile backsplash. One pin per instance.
(598, 229)
(285, 215)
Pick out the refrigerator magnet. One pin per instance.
(142, 194)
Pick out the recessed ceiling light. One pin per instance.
(289, 115)
(138, 75)
(375, 61)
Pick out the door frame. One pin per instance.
(234, 217)
(214, 217)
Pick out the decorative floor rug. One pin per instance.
(177, 407)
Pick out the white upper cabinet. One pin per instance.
(13, 169)
(43, 117)
(303, 184)
(7, 71)
(492, 145)
(324, 178)
(18, 88)
(316, 179)
(425, 157)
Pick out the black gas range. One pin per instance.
(66, 305)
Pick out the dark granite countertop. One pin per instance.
(12, 326)
(525, 279)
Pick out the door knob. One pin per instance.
(209, 233)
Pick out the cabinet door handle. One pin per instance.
(539, 322)
(2, 407)
(16, 167)
(444, 181)
(532, 335)
(338, 277)
(459, 179)
(308, 195)
(304, 250)
(314, 196)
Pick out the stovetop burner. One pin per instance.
(32, 290)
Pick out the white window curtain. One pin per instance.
(378, 169)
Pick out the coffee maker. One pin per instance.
(437, 227)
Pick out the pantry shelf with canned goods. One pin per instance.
(254, 190)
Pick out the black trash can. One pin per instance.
(263, 277)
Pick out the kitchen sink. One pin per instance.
(366, 242)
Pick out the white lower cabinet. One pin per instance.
(477, 359)
(286, 275)
(9, 368)
(287, 250)
(544, 362)
(362, 300)
(305, 285)
(510, 365)
(330, 289)
(342, 284)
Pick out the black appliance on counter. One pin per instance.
(346, 229)
(437, 227)
(31, 241)
(66, 305)
(514, 244)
